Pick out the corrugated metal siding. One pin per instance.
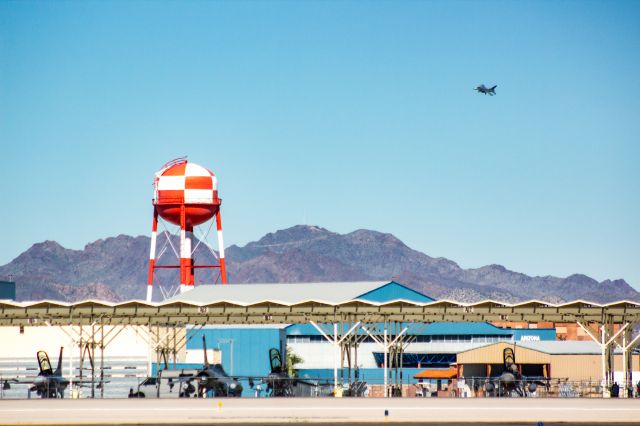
(493, 354)
(635, 363)
(250, 348)
(561, 347)
(576, 367)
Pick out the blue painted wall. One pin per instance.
(533, 334)
(394, 291)
(250, 348)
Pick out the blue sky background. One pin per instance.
(341, 114)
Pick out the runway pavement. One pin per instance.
(326, 410)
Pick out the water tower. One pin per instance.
(186, 195)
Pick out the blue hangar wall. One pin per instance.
(244, 350)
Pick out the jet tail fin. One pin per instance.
(494, 87)
(275, 360)
(509, 357)
(204, 347)
(58, 371)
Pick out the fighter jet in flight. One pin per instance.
(486, 90)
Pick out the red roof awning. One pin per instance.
(437, 374)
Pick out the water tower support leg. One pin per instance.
(223, 269)
(185, 252)
(190, 269)
(152, 254)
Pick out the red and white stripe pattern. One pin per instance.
(186, 183)
(152, 255)
(223, 268)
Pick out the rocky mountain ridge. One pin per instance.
(116, 269)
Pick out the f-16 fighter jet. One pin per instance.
(487, 91)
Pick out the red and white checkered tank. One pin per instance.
(188, 184)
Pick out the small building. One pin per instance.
(575, 366)
(7, 290)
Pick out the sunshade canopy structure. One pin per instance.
(303, 311)
(360, 304)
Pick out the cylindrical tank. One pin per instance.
(181, 184)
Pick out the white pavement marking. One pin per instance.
(178, 411)
(348, 408)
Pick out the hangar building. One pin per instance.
(244, 349)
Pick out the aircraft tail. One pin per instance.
(44, 364)
(509, 357)
(204, 347)
(275, 360)
(58, 371)
(494, 87)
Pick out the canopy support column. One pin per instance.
(335, 341)
(628, 344)
(606, 351)
(385, 347)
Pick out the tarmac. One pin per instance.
(515, 411)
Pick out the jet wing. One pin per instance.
(34, 380)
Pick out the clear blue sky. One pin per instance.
(341, 114)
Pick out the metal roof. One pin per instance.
(241, 327)
(301, 311)
(466, 329)
(553, 347)
(247, 294)
(419, 329)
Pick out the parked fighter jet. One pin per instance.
(486, 90)
(211, 377)
(510, 379)
(48, 383)
(279, 383)
(511, 382)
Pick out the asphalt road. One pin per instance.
(326, 410)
